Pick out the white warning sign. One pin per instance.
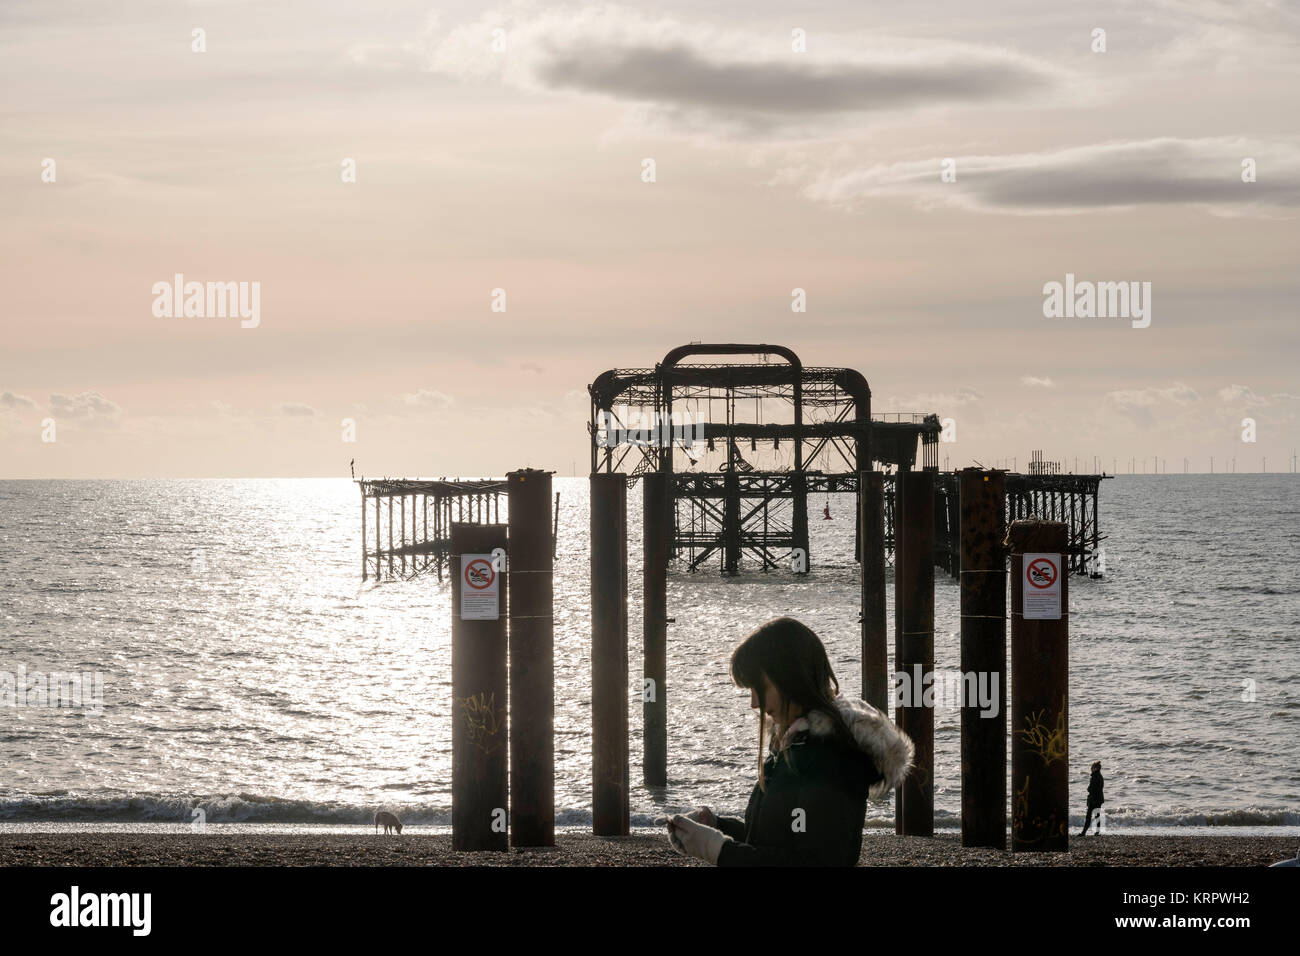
(1041, 587)
(480, 588)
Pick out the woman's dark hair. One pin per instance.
(795, 661)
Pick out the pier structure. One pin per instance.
(744, 445)
(728, 501)
(1069, 499)
(1047, 496)
(707, 495)
(406, 522)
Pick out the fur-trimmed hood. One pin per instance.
(878, 738)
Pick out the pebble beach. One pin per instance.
(584, 850)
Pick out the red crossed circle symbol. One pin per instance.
(479, 574)
(1041, 573)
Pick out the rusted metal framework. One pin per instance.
(411, 546)
(1048, 495)
(741, 473)
(1070, 499)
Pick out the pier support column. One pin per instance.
(654, 689)
(914, 611)
(532, 659)
(438, 532)
(1096, 532)
(984, 654)
(1040, 738)
(609, 744)
(942, 532)
(799, 520)
(479, 705)
(730, 523)
(954, 526)
(875, 638)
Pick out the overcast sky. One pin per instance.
(793, 147)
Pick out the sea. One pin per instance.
(238, 673)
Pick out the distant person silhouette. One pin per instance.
(1095, 797)
(826, 513)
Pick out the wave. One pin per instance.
(1261, 589)
(64, 806)
(223, 808)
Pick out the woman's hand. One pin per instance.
(696, 839)
(703, 815)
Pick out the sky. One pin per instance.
(455, 217)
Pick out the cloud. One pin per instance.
(8, 400)
(87, 405)
(531, 415)
(1227, 34)
(932, 401)
(296, 408)
(732, 82)
(1033, 381)
(429, 398)
(410, 54)
(1138, 405)
(1162, 171)
(531, 367)
(1241, 395)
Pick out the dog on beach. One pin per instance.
(389, 820)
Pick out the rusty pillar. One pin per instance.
(532, 656)
(875, 637)
(983, 653)
(914, 610)
(438, 533)
(954, 526)
(555, 525)
(479, 705)
(939, 558)
(1039, 697)
(609, 743)
(1096, 529)
(730, 522)
(654, 686)
(1074, 536)
(799, 519)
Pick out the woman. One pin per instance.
(827, 755)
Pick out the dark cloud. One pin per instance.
(735, 81)
(681, 76)
(1107, 175)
